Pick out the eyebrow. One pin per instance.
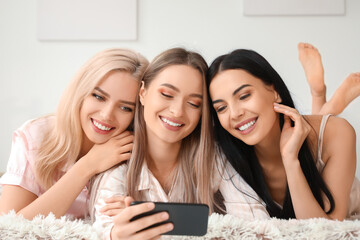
(239, 88)
(107, 95)
(234, 93)
(177, 90)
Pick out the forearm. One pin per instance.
(304, 203)
(61, 195)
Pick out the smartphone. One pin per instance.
(190, 219)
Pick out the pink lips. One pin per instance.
(103, 124)
(170, 127)
(248, 130)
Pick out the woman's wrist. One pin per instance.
(85, 168)
(291, 164)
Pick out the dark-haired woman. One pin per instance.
(300, 166)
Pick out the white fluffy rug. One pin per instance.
(13, 226)
(220, 227)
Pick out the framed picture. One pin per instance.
(87, 19)
(293, 7)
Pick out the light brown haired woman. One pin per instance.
(172, 158)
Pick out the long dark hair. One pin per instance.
(242, 156)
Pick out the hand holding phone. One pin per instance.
(188, 218)
(125, 229)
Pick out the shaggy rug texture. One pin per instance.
(219, 227)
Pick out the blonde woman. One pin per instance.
(172, 158)
(54, 157)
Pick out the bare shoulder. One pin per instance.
(338, 127)
(334, 128)
(339, 136)
(339, 139)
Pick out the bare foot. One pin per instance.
(345, 94)
(310, 59)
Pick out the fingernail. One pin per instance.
(164, 216)
(150, 205)
(170, 226)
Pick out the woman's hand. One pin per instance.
(125, 229)
(291, 138)
(104, 156)
(114, 205)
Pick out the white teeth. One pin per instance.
(101, 127)
(170, 123)
(247, 125)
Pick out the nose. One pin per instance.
(176, 108)
(236, 111)
(107, 112)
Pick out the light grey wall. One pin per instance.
(33, 74)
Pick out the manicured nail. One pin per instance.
(150, 205)
(164, 216)
(170, 227)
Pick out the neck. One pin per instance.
(162, 159)
(162, 155)
(270, 160)
(85, 147)
(268, 150)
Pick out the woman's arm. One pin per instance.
(57, 199)
(63, 193)
(339, 149)
(338, 173)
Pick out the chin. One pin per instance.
(98, 140)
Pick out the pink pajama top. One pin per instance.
(21, 166)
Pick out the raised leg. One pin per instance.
(310, 59)
(346, 93)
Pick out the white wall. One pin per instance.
(33, 74)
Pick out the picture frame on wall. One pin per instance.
(293, 7)
(87, 20)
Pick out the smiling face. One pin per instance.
(244, 105)
(172, 103)
(109, 109)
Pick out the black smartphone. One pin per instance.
(189, 219)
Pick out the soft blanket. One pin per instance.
(219, 227)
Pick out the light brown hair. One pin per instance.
(196, 156)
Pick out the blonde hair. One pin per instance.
(62, 144)
(196, 156)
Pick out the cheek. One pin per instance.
(124, 121)
(196, 117)
(89, 105)
(84, 110)
(223, 121)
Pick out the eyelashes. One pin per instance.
(102, 99)
(191, 103)
(243, 97)
(126, 109)
(221, 108)
(166, 95)
(98, 97)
